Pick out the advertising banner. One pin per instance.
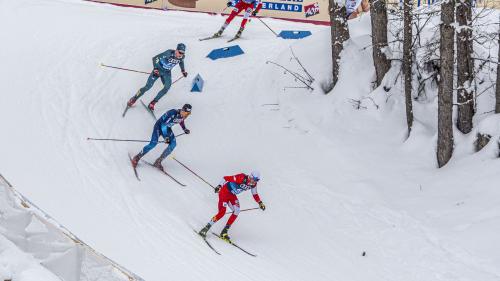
(301, 10)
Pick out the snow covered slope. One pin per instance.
(336, 181)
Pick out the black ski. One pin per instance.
(135, 170)
(149, 110)
(232, 243)
(125, 111)
(209, 37)
(165, 173)
(234, 38)
(205, 239)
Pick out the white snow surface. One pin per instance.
(337, 181)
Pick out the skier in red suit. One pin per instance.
(251, 7)
(228, 189)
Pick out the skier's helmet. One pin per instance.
(187, 108)
(181, 48)
(255, 175)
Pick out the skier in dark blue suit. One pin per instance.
(163, 127)
(163, 65)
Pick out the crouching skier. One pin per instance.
(163, 64)
(228, 189)
(251, 7)
(163, 127)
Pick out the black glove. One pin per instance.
(229, 4)
(262, 206)
(187, 131)
(156, 72)
(185, 74)
(254, 13)
(217, 189)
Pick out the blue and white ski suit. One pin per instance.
(163, 127)
(164, 62)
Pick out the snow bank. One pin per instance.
(33, 247)
(18, 266)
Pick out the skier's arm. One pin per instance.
(186, 130)
(258, 6)
(257, 198)
(255, 195)
(181, 65)
(156, 61)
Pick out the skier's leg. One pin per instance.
(235, 207)
(219, 215)
(149, 83)
(171, 146)
(152, 143)
(167, 82)
(236, 10)
(246, 16)
(222, 211)
(236, 211)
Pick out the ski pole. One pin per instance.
(178, 79)
(193, 172)
(126, 69)
(244, 210)
(128, 140)
(97, 139)
(267, 26)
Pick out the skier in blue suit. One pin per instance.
(163, 127)
(163, 65)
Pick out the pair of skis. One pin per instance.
(161, 170)
(145, 107)
(225, 240)
(217, 36)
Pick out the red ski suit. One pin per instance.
(231, 186)
(247, 6)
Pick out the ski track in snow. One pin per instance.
(329, 195)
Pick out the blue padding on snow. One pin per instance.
(294, 34)
(225, 52)
(197, 84)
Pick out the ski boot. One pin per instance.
(203, 231)
(136, 159)
(151, 105)
(131, 101)
(223, 234)
(157, 163)
(238, 34)
(219, 33)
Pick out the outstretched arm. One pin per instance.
(258, 6)
(181, 65)
(255, 195)
(257, 199)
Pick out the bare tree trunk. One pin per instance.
(407, 62)
(497, 92)
(465, 67)
(340, 34)
(378, 12)
(445, 93)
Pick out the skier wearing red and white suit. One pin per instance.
(251, 7)
(228, 189)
